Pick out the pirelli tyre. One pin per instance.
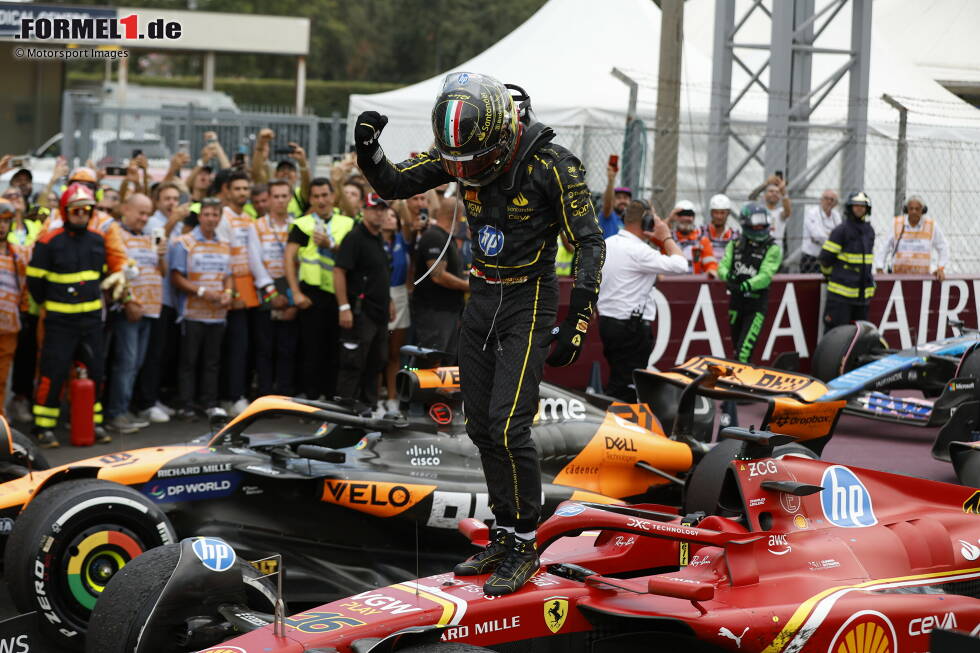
(69, 542)
(839, 351)
(128, 601)
(970, 365)
(794, 449)
(18, 454)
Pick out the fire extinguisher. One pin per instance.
(81, 394)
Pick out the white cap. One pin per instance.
(720, 202)
(684, 205)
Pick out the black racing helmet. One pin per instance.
(476, 129)
(859, 198)
(754, 219)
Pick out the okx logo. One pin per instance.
(214, 553)
(845, 500)
(491, 240)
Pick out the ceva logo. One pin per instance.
(845, 500)
(214, 553)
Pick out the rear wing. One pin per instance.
(790, 397)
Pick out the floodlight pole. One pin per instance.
(902, 155)
(666, 136)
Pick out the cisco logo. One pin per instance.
(424, 457)
(845, 500)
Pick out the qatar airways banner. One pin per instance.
(692, 318)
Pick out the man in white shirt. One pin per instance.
(818, 222)
(911, 240)
(624, 304)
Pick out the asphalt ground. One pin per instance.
(857, 442)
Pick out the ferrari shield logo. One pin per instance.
(555, 611)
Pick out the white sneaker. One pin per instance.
(391, 405)
(216, 411)
(138, 422)
(165, 408)
(155, 414)
(20, 410)
(238, 407)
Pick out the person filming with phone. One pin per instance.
(626, 308)
(614, 200)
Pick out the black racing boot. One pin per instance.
(516, 569)
(501, 542)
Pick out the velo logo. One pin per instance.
(491, 240)
(214, 553)
(845, 500)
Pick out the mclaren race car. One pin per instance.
(766, 555)
(350, 502)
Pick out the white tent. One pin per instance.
(563, 55)
(938, 36)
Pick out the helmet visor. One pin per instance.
(474, 167)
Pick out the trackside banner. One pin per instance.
(692, 318)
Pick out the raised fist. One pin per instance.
(368, 127)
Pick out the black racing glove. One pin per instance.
(569, 336)
(368, 129)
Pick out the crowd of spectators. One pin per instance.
(227, 279)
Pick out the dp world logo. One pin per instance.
(845, 500)
(491, 240)
(214, 553)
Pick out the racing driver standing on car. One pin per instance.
(520, 191)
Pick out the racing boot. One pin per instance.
(516, 569)
(501, 543)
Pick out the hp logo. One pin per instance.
(214, 553)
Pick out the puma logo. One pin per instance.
(724, 632)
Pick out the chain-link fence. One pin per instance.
(108, 134)
(944, 169)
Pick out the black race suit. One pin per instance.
(514, 223)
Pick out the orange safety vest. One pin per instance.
(147, 288)
(697, 250)
(913, 246)
(240, 224)
(103, 223)
(207, 265)
(12, 280)
(273, 239)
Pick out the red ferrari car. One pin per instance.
(766, 555)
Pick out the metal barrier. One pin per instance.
(90, 129)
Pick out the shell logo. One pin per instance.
(865, 632)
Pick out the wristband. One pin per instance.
(343, 307)
(201, 290)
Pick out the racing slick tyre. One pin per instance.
(20, 457)
(704, 488)
(971, 365)
(834, 354)
(969, 472)
(129, 599)
(69, 542)
(794, 449)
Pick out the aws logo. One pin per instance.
(519, 200)
(374, 497)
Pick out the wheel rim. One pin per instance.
(93, 557)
